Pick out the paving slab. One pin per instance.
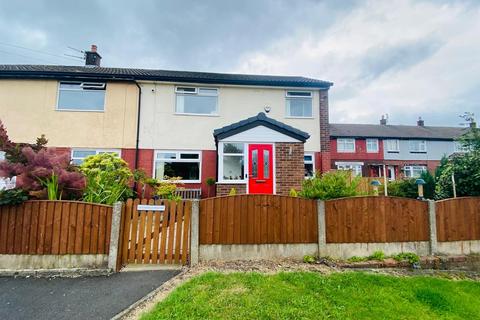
(100, 297)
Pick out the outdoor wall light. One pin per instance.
(375, 184)
(267, 109)
(420, 183)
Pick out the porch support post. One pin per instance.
(194, 233)
(322, 231)
(432, 219)
(114, 236)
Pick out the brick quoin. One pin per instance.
(323, 162)
(289, 166)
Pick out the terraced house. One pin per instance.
(394, 151)
(254, 133)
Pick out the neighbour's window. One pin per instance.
(79, 155)
(417, 145)
(309, 164)
(392, 145)
(461, 147)
(2, 155)
(81, 96)
(355, 168)
(345, 145)
(192, 100)
(299, 104)
(372, 145)
(183, 164)
(414, 171)
(232, 161)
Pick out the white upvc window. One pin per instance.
(413, 171)
(309, 163)
(299, 104)
(2, 155)
(81, 96)
(417, 145)
(79, 155)
(461, 147)
(196, 100)
(231, 162)
(345, 145)
(355, 167)
(392, 145)
(184, 164)
(372, 145)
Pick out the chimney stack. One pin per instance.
(92, 58)
(383, 121)
(420, 122)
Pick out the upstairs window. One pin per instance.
(79, 155)
(309, 163)
(184, 164)
(299, 104)
(345, 145)
(81, 96)
(392, 145)
(372, 145)
(192, 100)
(418, 146)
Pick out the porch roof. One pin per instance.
(260, 120)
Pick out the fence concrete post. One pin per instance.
(432, 221)
(322, 230)
(114, 236)
(194, 233)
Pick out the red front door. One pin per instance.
(260, 171)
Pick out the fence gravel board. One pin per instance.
(55, 227)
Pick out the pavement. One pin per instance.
(100, 297)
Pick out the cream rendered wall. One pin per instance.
(161, 128)
(27, 109)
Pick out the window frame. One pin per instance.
(387, 146)
(221, 154)
(353, 166)
(288, 97)
(421, 142)
(196, 93)
(82, 84)
(97, 151)
(346, 151)
(410, 169)
(377, 149)
(178, 159)
(312, 162)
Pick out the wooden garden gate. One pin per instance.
(155, 232)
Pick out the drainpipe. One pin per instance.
(137, 142)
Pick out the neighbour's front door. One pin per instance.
(260, 173)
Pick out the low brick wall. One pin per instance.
(223, 189)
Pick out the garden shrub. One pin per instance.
(407, 188)
(330, 185)
(377, 255)
(108, 179)
(167, 188)
(12, 197)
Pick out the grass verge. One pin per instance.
(305, 295)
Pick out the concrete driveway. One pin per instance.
(76, 298)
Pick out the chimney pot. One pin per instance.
(383, 121)
(420, 122)
(93, 48)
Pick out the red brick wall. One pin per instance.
(223, 189)
(324, 162)
(289, 166)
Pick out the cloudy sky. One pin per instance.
(398, 57)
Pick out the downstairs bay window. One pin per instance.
(231, 161)
(413, 171)
(183, 164)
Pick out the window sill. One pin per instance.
(418, 151)
(76, 110)
(372, 151)
(196, 114)
(393, 151)
(345, 151)
(232, 182)
(292, 117)
(184, 181)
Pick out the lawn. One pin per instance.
(304, 295)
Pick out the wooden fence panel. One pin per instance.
(376, 219)
(54, 227)
(152, 237)
(258, 219)
(458, 219)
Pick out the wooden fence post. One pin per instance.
(432, 219)
(322, 234)
(194, 233)
(114, 236)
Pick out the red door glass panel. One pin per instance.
(260, 171)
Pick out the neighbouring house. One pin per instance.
(395, 151)
(254, 133)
